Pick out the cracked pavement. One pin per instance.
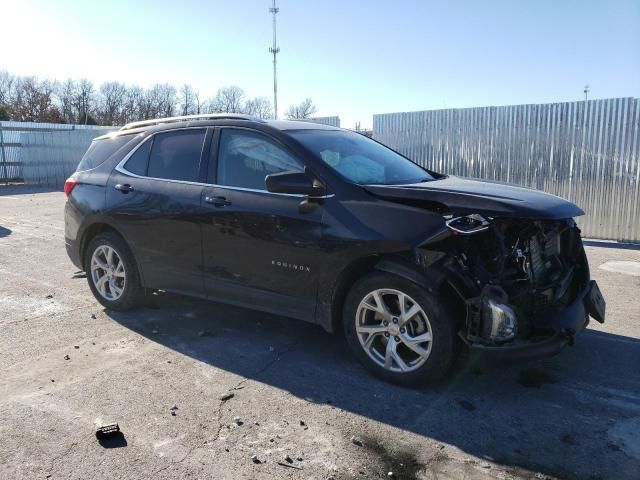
(297, 391)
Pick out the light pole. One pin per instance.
(586, 92)
(274, 49)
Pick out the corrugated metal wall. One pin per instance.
(49, 158)
(331, 121)
(11, 144)
(587, 152)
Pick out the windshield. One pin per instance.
(360, 159)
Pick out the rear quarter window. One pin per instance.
(100, 150)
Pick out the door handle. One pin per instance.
(124, 188)
(217, 201)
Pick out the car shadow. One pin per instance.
(550, 417)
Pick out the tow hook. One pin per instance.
(569, 334)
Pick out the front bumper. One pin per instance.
(566, 325)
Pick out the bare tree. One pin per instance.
(168, 100)
(33, 101)
(6, 87)
(112, 102)
(259, 107)
(228, 100)
(84, 100)
(65, 94)
(134, 99)
(188, 100)
(198, 102)
(160, 101)
(305, 109)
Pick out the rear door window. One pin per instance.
(176, 155)
(100, 150)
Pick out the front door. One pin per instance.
(260, 248)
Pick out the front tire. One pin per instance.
(112, 272)
(398, 330)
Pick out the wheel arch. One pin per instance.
(395, 264)
(96, 229)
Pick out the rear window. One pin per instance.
(176, 155)
(100, 150)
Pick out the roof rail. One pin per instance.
(183, 118)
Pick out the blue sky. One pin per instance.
(353, 58)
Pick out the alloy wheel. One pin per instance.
(393, 330)
(108, 273)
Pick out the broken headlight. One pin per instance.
(468, 224)
(500, 323)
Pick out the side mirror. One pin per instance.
(298, 183)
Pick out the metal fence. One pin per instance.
(587, 152)
(331, 121)
(49, 158)
(11, 144)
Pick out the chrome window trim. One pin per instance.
(120, 168)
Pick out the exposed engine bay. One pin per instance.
(514, 276)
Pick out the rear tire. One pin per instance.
(112, 272)
(412, 346)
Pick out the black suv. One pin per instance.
(328, 226)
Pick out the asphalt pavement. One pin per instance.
(204, 390)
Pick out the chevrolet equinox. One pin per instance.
(328, 226)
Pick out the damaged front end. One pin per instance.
(525, 283)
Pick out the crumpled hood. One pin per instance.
(493, 199)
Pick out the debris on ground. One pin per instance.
(110, 436)
(357, 441)
(226, 396)
(106, 431)
(49, 296)
(255, 459)
(155, 332)
(289, 465)
(76, 346)
(67, 357)
(391, 475)
(288, 459)
(93, 316)
(238, 421)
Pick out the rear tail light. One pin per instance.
(69, 185)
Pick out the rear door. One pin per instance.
(260, 248)
(154, 200)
